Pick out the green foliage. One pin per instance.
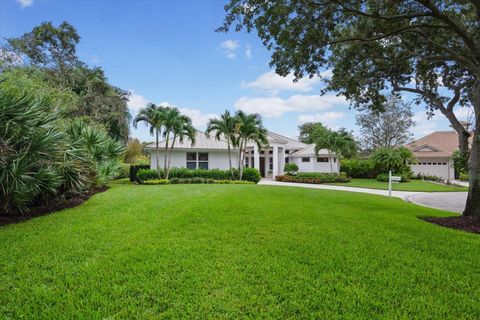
(464, 176)
(314, 177)
(43, 156)
(133, 151)
(341, 142)
(460, 162)
(358, 168)
(396, 160)
(290, 168)
(134, 169)
(250, 174)
(124, 171)
(383, 177)
(156, 182)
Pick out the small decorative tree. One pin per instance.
(290, 168)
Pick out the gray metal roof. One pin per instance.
(309, 150)
(290, 144)
(203, 141)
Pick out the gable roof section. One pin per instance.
(203, 141)
(309, 150)
(435, 144)
(290, 144)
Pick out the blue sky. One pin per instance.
(168, 51)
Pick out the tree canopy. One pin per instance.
(428, 48)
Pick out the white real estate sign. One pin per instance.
(392, 179)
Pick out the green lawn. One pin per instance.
(238, 251)
(412, 185)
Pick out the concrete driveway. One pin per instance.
(448, 201)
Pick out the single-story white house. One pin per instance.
(209, 153)
(434, 154)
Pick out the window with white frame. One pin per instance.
(305, 159)
(197, 160)
(247, 161)
(322, 159)
(270, 163)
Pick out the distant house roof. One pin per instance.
(435, 144)
(203, 141)
(309, 150)
(290, 144)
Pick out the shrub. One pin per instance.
(233, 182)
(135, 168)
(174, 181)
(290, 168)
(464, 176)
(358, 168)
(422, 176)
(156, 181)
(396, 160)
(197, 180)
(147, 174)
(124, 171)
(383, 177)
(314, 177)
(251, 174)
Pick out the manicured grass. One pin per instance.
(412, 185)
(238, 251)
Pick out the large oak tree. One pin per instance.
(425, 47)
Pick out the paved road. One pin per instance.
(449, 201)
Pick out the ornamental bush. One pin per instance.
(249, 174)
(358, 168)
(314, 177)
(156, 181)
(383, 177)
(134, 170)
(291, 168)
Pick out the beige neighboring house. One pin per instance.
(434, 154)
(209, 153)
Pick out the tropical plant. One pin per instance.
(154, 117)
(224, 127)
(291, 168)
(181, 128)
(248, 128)
(390, 159)
(340, 142)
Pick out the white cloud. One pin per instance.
(199, 119)
(248, 51)
(230, 47)
(275, 107)
(326, 118)
(136, 101)
(25, 3)
(273, 83)
(424, 125)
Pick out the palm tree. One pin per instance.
(248, 127)
(171, 118)
(182, 128)
(341, 142)
(224, 126)
(153, 116)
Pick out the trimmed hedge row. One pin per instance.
(134, 170)
(358, 168)
(249, 174)
(194, 181)
(314, 177)
(383, 177)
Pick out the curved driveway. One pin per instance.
(448, 201)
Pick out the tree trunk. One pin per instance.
(331, 163)
(240, 153)
(472, 207)
(463, 133)
(242, 159)
(166, 153)
(167, 173)
(230, 158)
(157, 152)
(5, 203)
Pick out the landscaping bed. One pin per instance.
(55, 204)
(468, 224)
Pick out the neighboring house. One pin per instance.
(209, 153)
(434, 154)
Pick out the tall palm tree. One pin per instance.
(249, 127)
(154, 117)
(224, 127)
(182, 128)
(171, 117)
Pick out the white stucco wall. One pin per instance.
(217, 159)
(439, 169)
(314, 166)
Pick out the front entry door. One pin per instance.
(262, 167)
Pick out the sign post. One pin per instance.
(392, 179)
(390, 183)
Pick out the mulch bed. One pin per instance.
(468, 224)
(55, 205)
